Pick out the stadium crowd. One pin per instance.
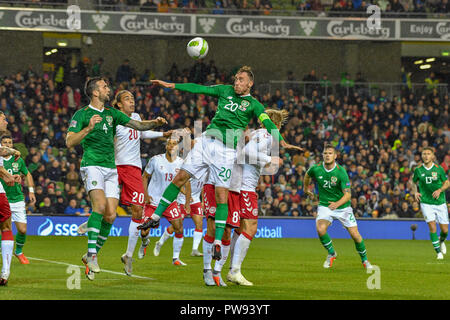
(379, 139)
(406, 8)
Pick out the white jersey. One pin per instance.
(196, 191)
(2, 190)
(128, 143)
(163, 172)
(236, 178)
(260, 144)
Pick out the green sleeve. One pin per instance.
(345, 181)
(310, 172)
(265, 120)
(415, 176)
(442, 175)
(76, 123)
(199, 89)
(120, 118)
(23, 166)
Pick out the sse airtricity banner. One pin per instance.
(267, 228)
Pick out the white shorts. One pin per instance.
(106, 179)
(433, 212)
(211, 155)
(18, 212)
(345, 216)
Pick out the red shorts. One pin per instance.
(209, 199)
(196, 208)
(5, 210)
(130, 177)
(249, 205)
(172, 212)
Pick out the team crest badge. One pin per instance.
(434, 175)
(255, 212)
(109, 119)
(15, 166)
(244, 105)
(333, 180)
(94, 183)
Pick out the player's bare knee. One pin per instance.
(136, 212)
(221, 195)
(432, 226)
(181, 178)
(251, 227)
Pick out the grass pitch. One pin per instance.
(281, 269)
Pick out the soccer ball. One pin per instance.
(197, 48)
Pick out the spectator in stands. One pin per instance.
(73, 208)
(149, 6)
(218, 9)
(46, 206)
(163, 6)
(405, 211)
(97, 68)
(443, 7)
(266, 6)
(396, 6)
(124, 72)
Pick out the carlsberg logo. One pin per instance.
(443, 30)
(358, 30)
(25, 19)
(236, 26)
(145, 24)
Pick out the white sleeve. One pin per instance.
(150, 167)
(252, 148)
(149, 134)
(1, 161)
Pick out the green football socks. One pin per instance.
(20, 242)
(103, 235)
(169, 195)
(94, 225)
(443, 236)
(327, 243)
(435, 241)
(220, 220)
(361, 248)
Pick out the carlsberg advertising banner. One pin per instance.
(75, 20)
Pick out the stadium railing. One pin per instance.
(392, 89)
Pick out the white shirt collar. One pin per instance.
(432, 165)
(323, 164)
(90, 106)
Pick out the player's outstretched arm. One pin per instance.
(189, 87)
(145, 125)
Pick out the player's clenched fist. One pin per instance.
(94, 120)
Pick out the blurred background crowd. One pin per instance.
(378, 137)
(393, 8)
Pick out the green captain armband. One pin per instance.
(263, 116)
(269, 125)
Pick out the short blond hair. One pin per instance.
(278, 117)
(247, 70)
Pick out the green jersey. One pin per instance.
(233, 113)
(14, 193)
(429, 181)
(98, 145)
(331, 183)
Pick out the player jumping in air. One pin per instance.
(432, 182)
(260, 144)
(334, 203)
(216, 150)
(16, 197)
(158, 174)
(94, 127)
(7, 243)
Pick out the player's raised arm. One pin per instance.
(145, 125)
(5, 152)
(190, 87)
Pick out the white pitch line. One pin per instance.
(102, 270)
